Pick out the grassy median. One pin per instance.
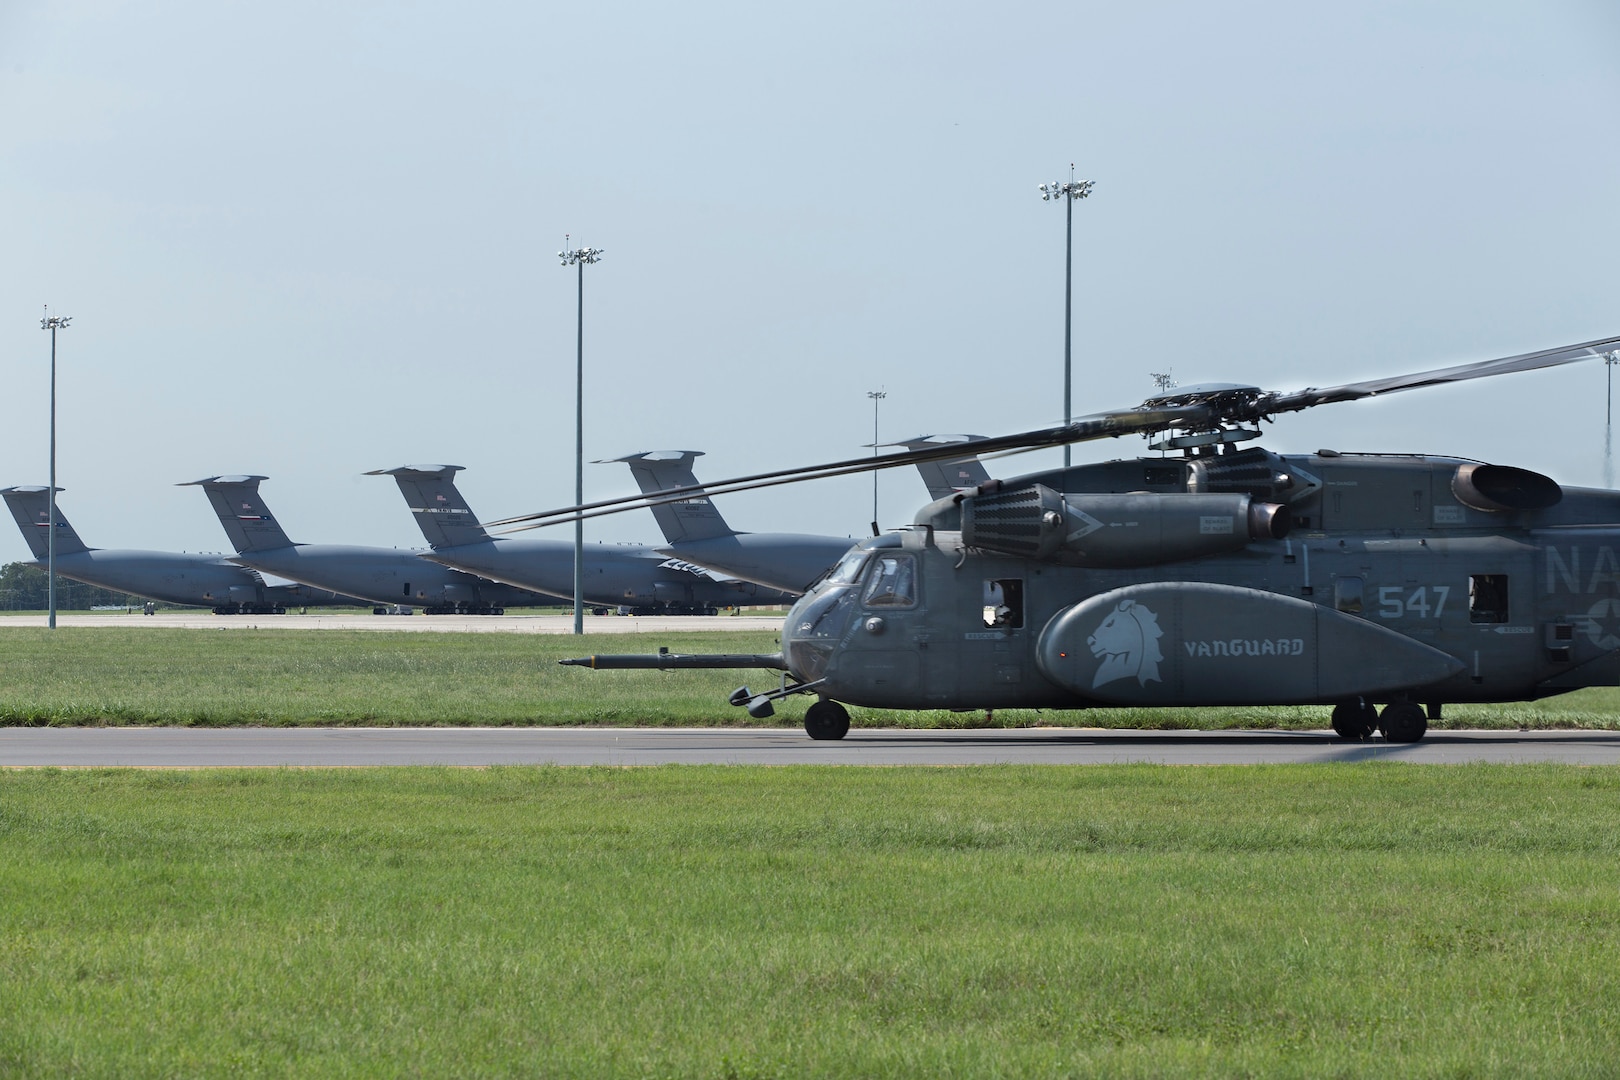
(752, 922)
(90, 675)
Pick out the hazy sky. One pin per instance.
(308, 240)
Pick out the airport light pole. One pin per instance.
(1609, 360)
(1069, 193)
(876, 396)
(579, 257)
(53, 323)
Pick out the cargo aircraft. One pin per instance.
(383, 576)
(171, 577)
(634, 577)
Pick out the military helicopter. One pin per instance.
(1383, 585)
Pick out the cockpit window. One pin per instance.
(891, 582)
(848, 568)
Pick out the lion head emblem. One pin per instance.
(1128, 642)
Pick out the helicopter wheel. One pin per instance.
(826, 719)
(1356, 719)
(1403, 721)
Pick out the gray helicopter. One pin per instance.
(630, 576)
(1220, 576)
(172, 577)
(384, 576)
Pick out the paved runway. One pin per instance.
(444, 624)
(198, 748)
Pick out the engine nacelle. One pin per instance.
(1143, 529)
(1503, 487)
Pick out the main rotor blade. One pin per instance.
(1085, 429)
(1545, 358)
(1147, 418)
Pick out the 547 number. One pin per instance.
(1423, 602)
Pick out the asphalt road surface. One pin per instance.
(444, 624)
(202, 748)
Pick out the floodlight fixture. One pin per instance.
(577, 256)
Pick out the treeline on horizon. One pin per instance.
(24, 588)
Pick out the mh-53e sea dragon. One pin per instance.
(1383, 585)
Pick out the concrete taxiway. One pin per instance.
(201, 748)
(446, 624)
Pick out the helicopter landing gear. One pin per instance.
(1403, 721)
(1356, 719)
(826, 719)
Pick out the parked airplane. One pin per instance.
(632, 576)
(697, 533)
(170, 576)
(381, 575)
(946, 478)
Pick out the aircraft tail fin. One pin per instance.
(690, 519)
(944, 478)
(31, 506)
(440, 510)
(247, 521)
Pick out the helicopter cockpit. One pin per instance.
(873, 574)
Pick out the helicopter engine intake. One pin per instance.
(1502, 487)
(1114, 531)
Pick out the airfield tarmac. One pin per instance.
(173, 747)
(169, 747)
(446, 624)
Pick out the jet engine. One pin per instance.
(1141, 529)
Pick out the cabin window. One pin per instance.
(1347, 594)
(1488, 598)
(1004, 603)
(891, 582)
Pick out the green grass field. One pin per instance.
(1348, 920)
(87, 675)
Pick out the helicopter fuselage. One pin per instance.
(1360, 578)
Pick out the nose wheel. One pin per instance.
(826, 720)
